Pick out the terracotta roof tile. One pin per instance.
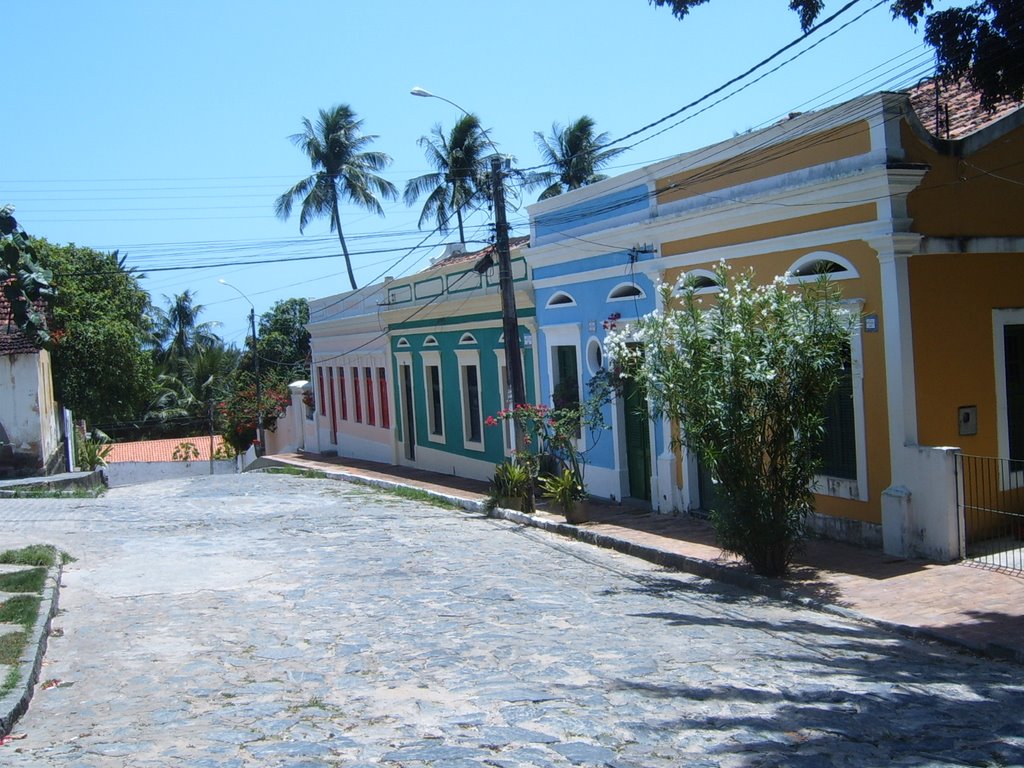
(952, 111)
(474, 256)
(161, 450)
(12, 340)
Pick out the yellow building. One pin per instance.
(925, 238)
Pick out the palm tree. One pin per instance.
(575, 155)
(342, 170)
(458, 179)
(178, 334)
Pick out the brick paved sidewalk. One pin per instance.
(961, 604)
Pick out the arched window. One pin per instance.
(403, 343)
(624, 291)
(811, 266)
(430, 341)
(467, 338)
(703, 281)
(561, 299)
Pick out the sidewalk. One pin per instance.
(960, 604)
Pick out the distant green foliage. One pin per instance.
(284, 340)
(101, 369)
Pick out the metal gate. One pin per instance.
(990, 501)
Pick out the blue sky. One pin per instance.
(161, 129)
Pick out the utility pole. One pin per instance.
(259, 387)
(509, 316)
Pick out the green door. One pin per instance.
(707, 488)
(638, 441)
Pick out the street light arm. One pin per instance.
(237, 290)
(424, 93)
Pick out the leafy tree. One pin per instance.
(575, 156)
(284, 340)
(982, 41)
(342, 170)
(25, 283)
(238, 413)
(459, 176)
(747, 380)
(101, 368)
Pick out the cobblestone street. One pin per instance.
(274, 620)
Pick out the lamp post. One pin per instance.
(509, 316)
(256, 368)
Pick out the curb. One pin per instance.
(752, 583)
(703, 568)
(15, 703)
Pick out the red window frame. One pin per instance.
(334, 409)
(371, 413)
(344, 395)
(382, 385)
(355, 393)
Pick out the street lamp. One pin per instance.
(256, 367)
(509, 316)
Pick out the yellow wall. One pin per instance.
(868, 288)
(952, 297)
(803, 152)
(975, 195)
(795, 225)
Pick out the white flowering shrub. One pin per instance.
(746, 375)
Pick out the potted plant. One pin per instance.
(568, 493)
(511, 487)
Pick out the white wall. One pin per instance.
(133, 472)
(27, 409)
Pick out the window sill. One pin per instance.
(838, 487)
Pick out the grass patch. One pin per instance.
(415, 494)
(23, 581)
(315, 474)
(35, 554)
(22, 610)
(9, 681)
(11, 646)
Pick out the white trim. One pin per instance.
(841, 487)
(467, 358)
(430, 360)
(400, 414)
(1001, 318)
(430, 341)
(403, 343)
(593, 368)
(467, 338)
(507, 425)
(901, 388)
